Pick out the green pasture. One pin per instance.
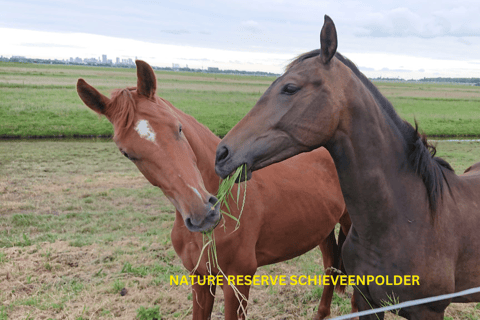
(39, 100)
(441, 117)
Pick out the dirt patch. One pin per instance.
(75, 282)
(46, 195)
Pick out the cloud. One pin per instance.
(251, 26)
(49, 45)
(366, 69)
(395, 70)
(438, 34)
(403, 22)
(175, 31)
(192, 59)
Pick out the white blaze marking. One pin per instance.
(145, 131)
(196, 191)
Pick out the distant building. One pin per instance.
(213, 69)
(175, 66)
(104, 58)
(117, 61)
(91, 60)
(18, 59)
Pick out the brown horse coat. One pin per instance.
(290, 207)
(411, 214)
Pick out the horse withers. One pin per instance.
(290, 208)
(411, 214)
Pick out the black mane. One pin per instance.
(420, 153)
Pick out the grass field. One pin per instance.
(38, 100)
(83, 235)
(42, 101)
(78, 223)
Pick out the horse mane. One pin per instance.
(420, 153)
(121, 110)
(302, 57)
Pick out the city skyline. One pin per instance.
(127, 63)
(101, 60)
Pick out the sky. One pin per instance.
(399, 39)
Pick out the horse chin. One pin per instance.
(212, 228)
(265, 163)
(284, 154)
(241, 177)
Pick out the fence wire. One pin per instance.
(410, 303)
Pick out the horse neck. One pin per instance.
(204, 144)
(369, 154)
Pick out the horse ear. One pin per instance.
(91, 97)
(146, 80)
(328, 40)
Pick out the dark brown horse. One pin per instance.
(290, 208)
(411, 214)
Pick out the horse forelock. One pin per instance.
(124, 105)
(121, 110)
(419, 152)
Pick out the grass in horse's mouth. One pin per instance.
(225, 191)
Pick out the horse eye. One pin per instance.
(127, 156)
(290, 89)
(180, 128)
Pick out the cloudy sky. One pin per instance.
(405, 39)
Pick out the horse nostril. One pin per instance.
(222, 154)
(212, 213)
(188, 223)
(213, 200)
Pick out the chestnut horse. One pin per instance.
(290, 208)
(473, 168)
(411, 214)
